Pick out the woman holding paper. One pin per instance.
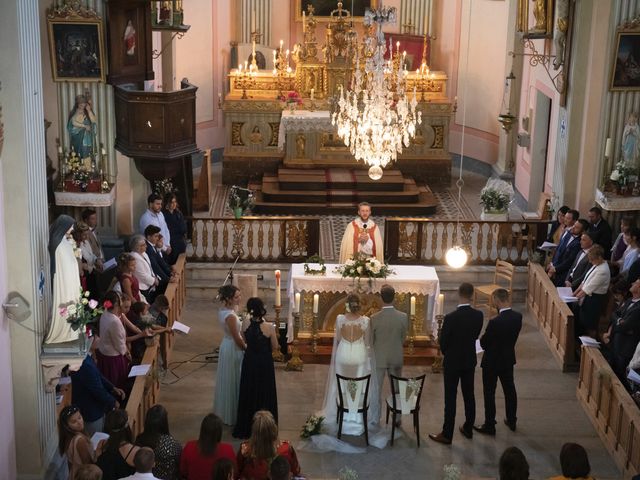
(225, 404)
(592, 292)
(113, 357)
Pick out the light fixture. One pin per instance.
(505, 118)
(456, 256)
(375, 173)
(375, 118)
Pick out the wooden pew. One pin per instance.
(554, 317)
(146, 389)
(614, 414)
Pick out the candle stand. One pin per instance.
(436, 366)
(314, 333)
(295, 363)
(412, 334)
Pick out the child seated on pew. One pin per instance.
(142, 318)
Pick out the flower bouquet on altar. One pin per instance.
(363, 266)
(495, 198)
(240, 199)
(291, 100)
(312, 426)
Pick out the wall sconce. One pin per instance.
(506, 119)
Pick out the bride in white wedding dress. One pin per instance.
(352, 356)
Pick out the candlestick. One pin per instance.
(412, 310)
(440, 306)
(278, 298)
(607, 148)
(436, 366)
(316, 302)
(295, 362)
(296, 303)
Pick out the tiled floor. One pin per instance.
(548, 412)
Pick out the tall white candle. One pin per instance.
(316, 302)
(296, 304)
(253, 20)
(440, 308)
(281, 44)
(607, 148)
(253, 50)
(412, 310)
(312, 92)
(304, 23)
(278, 298)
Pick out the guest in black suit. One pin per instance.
(601, 228)
(499, 341)
(566, 253)
(160, 268)
(624, 333)
(581, 264)
(460, 330)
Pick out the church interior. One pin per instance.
(188, 157)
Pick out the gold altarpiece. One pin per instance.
(252, 112)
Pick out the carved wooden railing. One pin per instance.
(254, 239)
(614, 414)
(555, 319)
(426, 241)
(146, 389)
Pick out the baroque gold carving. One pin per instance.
(330, 142)
(255, 137)
(236, 134)
(300, 145)
(438, 139)
(275, 131)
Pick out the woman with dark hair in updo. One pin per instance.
(258, 378)
(225, 404)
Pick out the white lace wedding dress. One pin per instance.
(352, 356)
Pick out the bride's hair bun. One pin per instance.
(353, 303)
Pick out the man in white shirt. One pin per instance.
(154, 216)
(144, 461)
(581, 264)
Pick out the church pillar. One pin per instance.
(25, 230)
(589, 77)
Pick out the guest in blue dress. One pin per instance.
(258, 379)
(232, 348)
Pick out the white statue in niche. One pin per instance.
(631, 140)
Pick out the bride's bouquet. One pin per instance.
(312, 426)
(362, 266)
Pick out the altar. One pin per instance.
(418, 281)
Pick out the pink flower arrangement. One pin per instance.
(81, 312)
(291, 98)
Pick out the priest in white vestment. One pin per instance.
(362, 235)
(66, 279)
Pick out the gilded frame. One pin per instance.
(630, 39)
(64, 65)
(523, 21)
(324, 18)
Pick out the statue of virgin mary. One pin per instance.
(66, 279)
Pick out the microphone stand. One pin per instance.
(229, 278)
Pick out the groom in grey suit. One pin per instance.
(389, 328)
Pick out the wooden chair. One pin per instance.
(353, 397)
(503, 278)
(405, 400)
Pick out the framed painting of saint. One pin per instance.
(535, 18)
(322, 8)
(625, 74)
(76, 44)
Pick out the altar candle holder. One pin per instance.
(412, 334)
(436, 366)
(279, 356)
(295, 363)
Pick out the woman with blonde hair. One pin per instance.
(255, 455)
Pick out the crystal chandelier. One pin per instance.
(375, 118)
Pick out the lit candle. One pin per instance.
(412, 310)
(104, 152)
(246, 64)
(304, 23)
(281, 44)
(274, 57)
(316, 302)
(278, 300)
(397, 48)
(239, 67)
(253, 51)
(60, 149)
(296, 304)
(607, 148)
(440, 307)
(312, 91)
(275, 72)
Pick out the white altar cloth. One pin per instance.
(303, 121)
(409, 279)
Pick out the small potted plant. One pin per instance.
(495, 198)
(240, 199)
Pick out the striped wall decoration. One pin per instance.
(260, 12)
(417, 13)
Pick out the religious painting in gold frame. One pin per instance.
(535, 21)
(625, 72)
(323, 8)
(76, 44)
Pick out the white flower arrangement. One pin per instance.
(623, 173)
(496, 196)
(312, 426)
(362, 266)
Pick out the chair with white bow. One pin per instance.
(353, 397)
(405, 400)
